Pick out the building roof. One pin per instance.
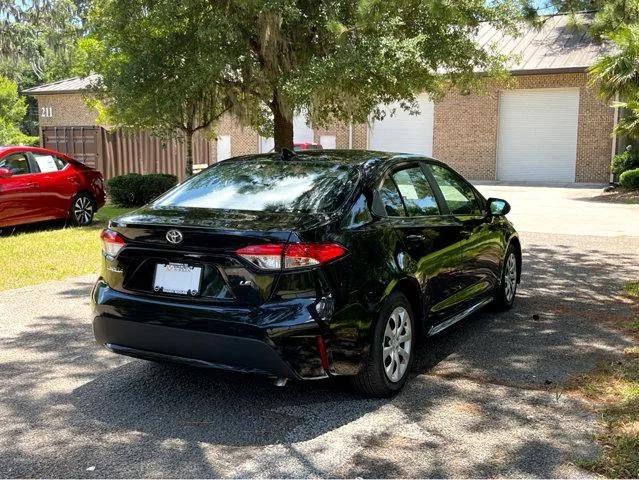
(68, 85)
(561, 43)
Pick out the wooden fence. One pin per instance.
(117, 153)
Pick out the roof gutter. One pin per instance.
(547, 71)
(54, 92)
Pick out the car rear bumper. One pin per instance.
(211, 350)
(228, 338)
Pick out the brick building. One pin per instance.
(546, 125)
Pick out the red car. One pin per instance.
(38, 184)
(302, 146)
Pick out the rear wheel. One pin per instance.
(505, 294)
(82, 209)
(391, 352)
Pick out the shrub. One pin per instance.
(624, 161)
(630, 179)
(134, 190)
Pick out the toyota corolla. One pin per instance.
(305, 266)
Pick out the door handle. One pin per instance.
(465, 233)
(415, 238)
(33, 185)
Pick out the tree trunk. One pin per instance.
(282, 128)
(188, 169)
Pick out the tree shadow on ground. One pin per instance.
(68, 404)
(34, 227)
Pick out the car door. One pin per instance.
(430, 239)
(481, 243)
(58, 184)
(19, 193)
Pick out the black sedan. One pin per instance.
(305, 266)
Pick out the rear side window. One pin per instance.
(267, 186)
(48, 163)
(416, 192)
(17, 163)
(459, 195)
(391, 199)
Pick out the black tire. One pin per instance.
(373, 380)
(507, 289)
(82, 210)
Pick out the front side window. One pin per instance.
(416, 192)
(48, 163)
(459, 195)
(266, 186)
(17, 163)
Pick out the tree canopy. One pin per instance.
(162, 67)
(336, 60)
(38, 39)
(617, 74)
(12, 110)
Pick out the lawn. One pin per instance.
(42, 253)
(614, 389)
(632, 288)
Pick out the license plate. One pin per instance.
(177, 278)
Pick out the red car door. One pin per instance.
(19, 192)
(58, 183)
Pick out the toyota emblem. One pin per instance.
(174, 237)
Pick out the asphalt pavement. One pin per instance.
(486, 399)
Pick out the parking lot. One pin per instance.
(487, 397)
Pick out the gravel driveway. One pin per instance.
(486, 398)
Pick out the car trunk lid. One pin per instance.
(206, 240)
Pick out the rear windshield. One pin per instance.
(266, 186)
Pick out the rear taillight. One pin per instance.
(112, 243)
(277, 256)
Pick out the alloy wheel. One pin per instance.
(396, 344)
(83, 210)
(510, 277)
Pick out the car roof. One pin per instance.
(357, 157)
(369, 161)
(25, 148)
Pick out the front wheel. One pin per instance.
(505, 294)
(82, 210)
(391, 352)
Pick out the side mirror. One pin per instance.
(498, 207)
(5, 173)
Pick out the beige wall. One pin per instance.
(465, 133)
(340, 131)
(67, 110)
(465, 130)
(244, 140)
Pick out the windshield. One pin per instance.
(266, 186)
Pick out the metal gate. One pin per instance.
(81, 143)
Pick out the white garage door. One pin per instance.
(404, 132)
(537, 140)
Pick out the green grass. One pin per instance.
(615, 390)
(39, 254)
(632, 288)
